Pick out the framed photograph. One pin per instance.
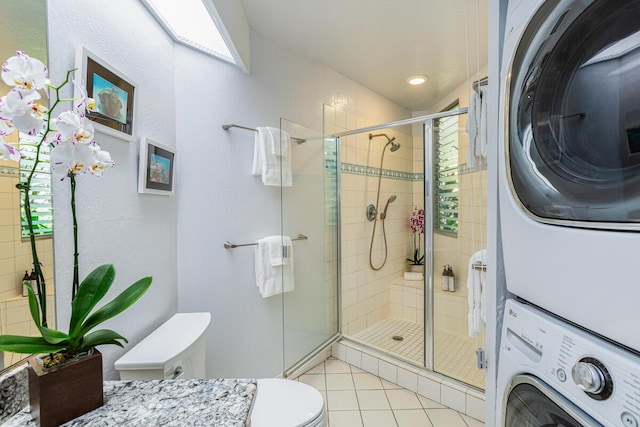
(113, 92)
(157, 168)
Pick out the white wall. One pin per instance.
(185, 96)
(134, 232)
(219, 199)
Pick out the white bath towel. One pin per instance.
(274, 265)
(272, 157)
(476, 281)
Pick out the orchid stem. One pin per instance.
(26, 187)
(76, 276)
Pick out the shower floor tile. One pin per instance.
(455, 357)
(381, 335)
(455, 354)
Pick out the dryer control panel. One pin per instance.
(599, 377)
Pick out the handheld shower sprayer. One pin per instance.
(391, 199)
(372, 210)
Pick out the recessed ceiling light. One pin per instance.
(417, 80)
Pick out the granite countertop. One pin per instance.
(215, 402)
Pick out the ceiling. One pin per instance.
(379, 43)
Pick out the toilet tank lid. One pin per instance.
(170, 339)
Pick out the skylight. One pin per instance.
(193, 24)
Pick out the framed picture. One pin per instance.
(113, 92)
(157, 168)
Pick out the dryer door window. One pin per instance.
(531, 403)
(574, 114)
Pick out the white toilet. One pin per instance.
(176, 350)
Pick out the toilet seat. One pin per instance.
(286, 403)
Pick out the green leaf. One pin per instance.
(34, 307)
(102, 336)
(92, 289)
(116, 306)
(53, 336)
(27, 345)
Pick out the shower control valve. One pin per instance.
(372, 212)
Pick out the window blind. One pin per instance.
(40, 194)
(446, 173)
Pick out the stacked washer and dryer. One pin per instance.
(569, 197)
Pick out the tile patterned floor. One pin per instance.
(355, 398)
(455, 355)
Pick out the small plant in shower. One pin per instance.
(416, 222)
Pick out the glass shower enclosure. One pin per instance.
(348, 214)
(309, 217)
(410, 317)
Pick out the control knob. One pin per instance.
(592, 377)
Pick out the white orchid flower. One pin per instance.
(67, 157)
(75, 127)
(22, 111)
(82, 103)
(9, 152)
(24, 73)
(6, 127)
(102, 160)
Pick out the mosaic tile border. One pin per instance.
(354, 169)
(351, 168)
(9, 171)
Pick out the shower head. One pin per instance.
(394, 145)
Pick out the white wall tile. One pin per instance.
(354, 357)
(388, 371)
(408, 380)
(370, 363)
(475, 406)
(429, 388)
(339, 351)
(453, 397)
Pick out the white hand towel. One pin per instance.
(476, 280)
(274, 274)
(482, 143)
(272, 157)
(280, 250)
(408, 275)
(280, 142)
(473, 124)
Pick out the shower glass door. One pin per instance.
(309, 217)
(456, 206)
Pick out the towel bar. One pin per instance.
(229, 245)
(231, 125)
(479, 266)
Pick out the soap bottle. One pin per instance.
(452, 280)
(26, 280)
(445, 278)
(34, 281)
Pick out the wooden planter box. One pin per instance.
(64, 393)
